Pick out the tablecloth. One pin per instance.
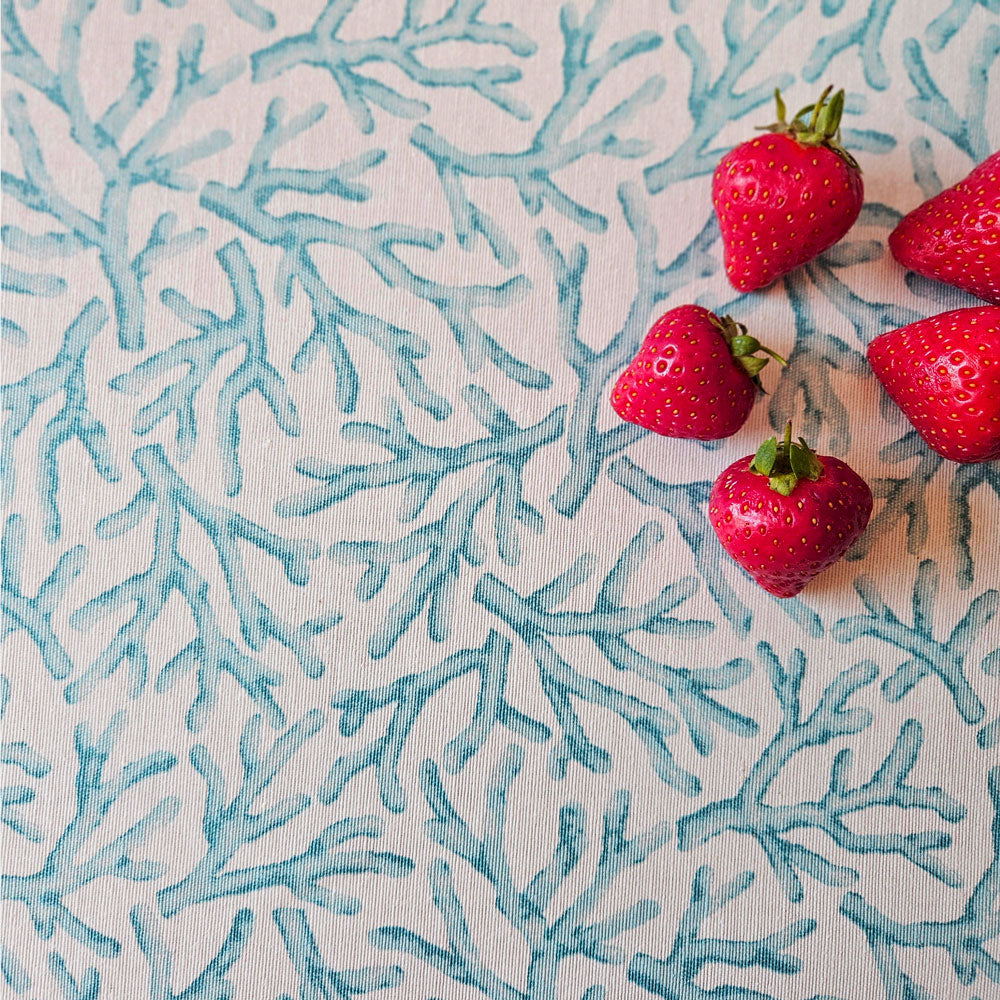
(352, 644)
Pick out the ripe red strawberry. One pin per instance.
(955, 237)
(695, 376)
(944, 374)
(785, 197)
(786, 515)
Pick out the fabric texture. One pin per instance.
(352, 644)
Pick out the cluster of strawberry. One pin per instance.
(786, 514)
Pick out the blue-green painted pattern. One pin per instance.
(351, 645)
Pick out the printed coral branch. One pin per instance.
(87, 987)
(228, 826)
(714, 104)
(410, 694)
(608, 624)
(321, 47)
(968, 132)
(33, 615)
(122, 169)
(674, 977)
(319, 981)
(588, 448)
(951, 20)
(865, 33)
(685, 504)
(43, 286)
(12, 332)
(211, 652)
(815, 356)
(253, 13)
(552, 931)
(212, 981)
(928, 655)
(22, 399)
(200, 355)
(45, 892)
(17, 753)
(451, 540)
(448, 543)
(747, 812)
(963, 938)
(378, 246)
(906, 499)
(423, 467)
(531, 169)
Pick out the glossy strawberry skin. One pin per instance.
(684, 381)
(955, 236)
(779, 205)
(783, 542)
(944, 374)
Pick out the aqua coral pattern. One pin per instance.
(351, 645)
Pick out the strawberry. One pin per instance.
(955, 237)
(944, 374)
(784, 198)
(695, 376)
(786, 515)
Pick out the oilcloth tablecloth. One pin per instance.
(353, 646)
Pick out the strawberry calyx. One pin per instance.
(786, 463)
(744, 348)
(822, 127)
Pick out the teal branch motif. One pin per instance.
(43, 286)
(20, 612)
(506, 448)
(747, 813)
(212, 654)
(45, 892)
(967, 131)
(341, 58)
(905, 498)
(212, 982)
(608, 625)
(22, 399)
(319, 981)
(686, 503)
(818, 353)
(230, 824)
(951, 20)
(87, 987)
(927, 656)
(865, 34)
(246, 10)
(553, 931)
(452, 539)
(122, 169)
(378, 247)
(531, 169)
(199, 355)
(12, 333)
(715, 103)
(18, 753)
(963, 938)
(409, 695)
(14, 973)
(588, 448)
(674, 977)
(815, 356)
